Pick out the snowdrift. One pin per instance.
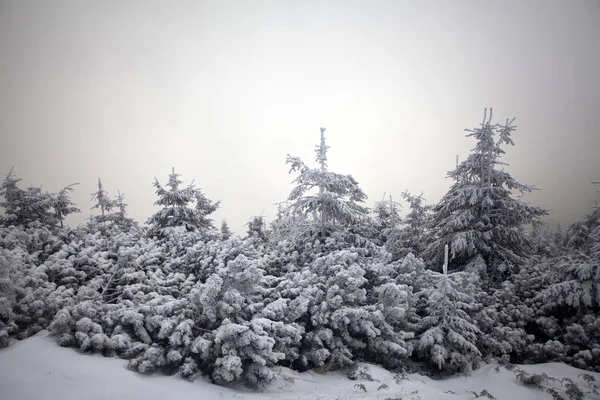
(37, 368)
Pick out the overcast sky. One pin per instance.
(223, 90)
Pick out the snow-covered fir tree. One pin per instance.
(479, 219)
(569, 300)
(449, 335)
(543, 240)
(345, 315)
(257, 228)
(175, 210)
(290, 226)
(575, 278)
(24, 206)
(11, 194)
(387, 229)
(103, 202)
(331, 201)
(415, 224)
(225, 230)
(63, 205)
(120, 217)
(205, 207)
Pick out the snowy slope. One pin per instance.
(38, 369)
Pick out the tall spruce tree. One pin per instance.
(332, 201)
(479, 218)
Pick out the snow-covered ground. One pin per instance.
(38, 369)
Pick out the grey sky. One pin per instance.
(223, 90)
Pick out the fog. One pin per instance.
(224, 90)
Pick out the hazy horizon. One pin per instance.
(223, 91)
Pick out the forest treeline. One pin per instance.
(327, 284)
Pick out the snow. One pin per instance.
(38, 369)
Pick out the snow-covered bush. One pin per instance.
(244, 337)
(27, 304)
(343, 320)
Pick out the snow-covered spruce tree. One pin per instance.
(205, 207)
(239, 337)
(63, 205)
(478, 218)
(23, 206)
(583, 236)
(175, 211)
(571, 298)
(345, 316)
(26, 290)
(575, 279)
(285, 247)
(559, 237)
(122, 308)
(411, 271)
(449, 336)
(225, 230)
(387, 230)
(415, 224)
(12, 195)
(543, 240)
(37, 206)
(335, 207)
(103, 202)
(257, 228)
(120, 217)
(113, 215)
(349, 310)
(203, 257)
(289, 224)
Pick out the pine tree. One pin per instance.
(120, 217)
(257, 228)
(205, 207)
(450, 336)
(575, 277)
(289, 226)
(478, 217)
(543, 241)
(36, 206)
(335, 207)
(63, 205)
(559, 237)
(387, 224)
(176, 211)
(103, 202)
(225, 230)
(25, 206)
(12, 197)
(415, 224)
